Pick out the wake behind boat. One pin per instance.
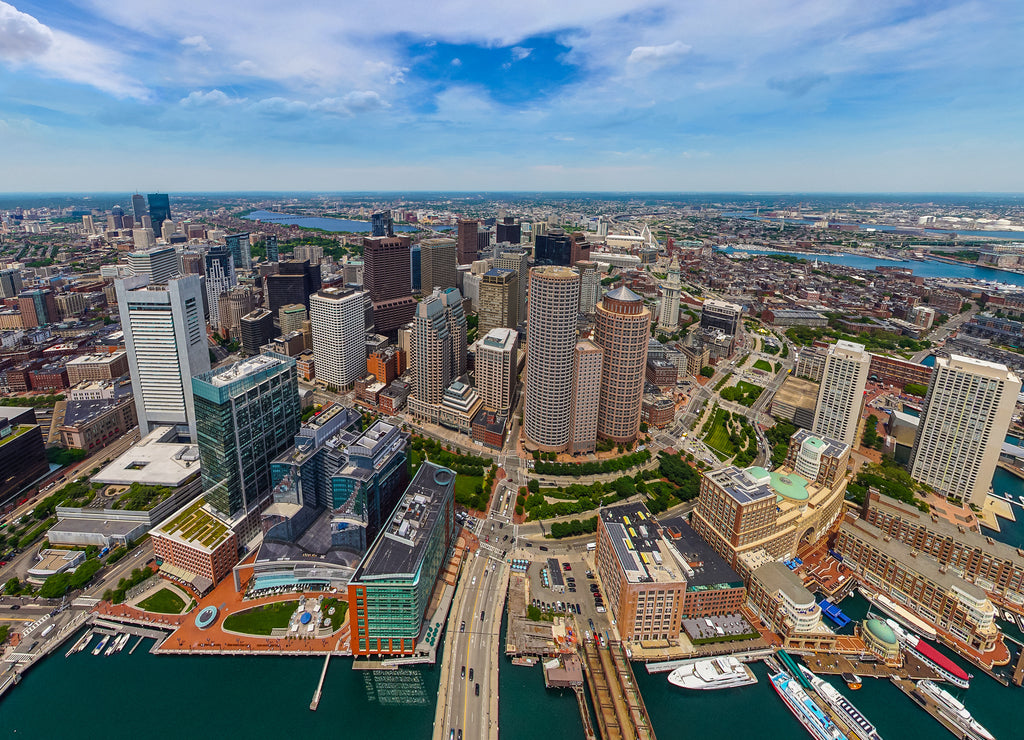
(717, 673)
(843, 707)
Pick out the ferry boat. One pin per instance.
(102, 644)
(954, 711)
(900, 613)
(717, 673)
(849, 714)
(931, 657)
(803, 707)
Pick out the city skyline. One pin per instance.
(608, 97)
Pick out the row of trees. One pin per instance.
(593, 468)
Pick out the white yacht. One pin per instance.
(954, 711)
(717, 673)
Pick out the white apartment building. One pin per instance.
(841, 393)
(338, 322)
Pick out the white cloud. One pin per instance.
(456, 62)
(25, 40)
(656, 56)
(357, 101)
(519, 53)
(197, 42)
(216, 98)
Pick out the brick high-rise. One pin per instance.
(622, 330)
(387, 278)
(468, 241)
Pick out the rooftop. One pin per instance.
(705, 568)
(81, 412)
(797, 392)
(775, 576)
(158, 459)
(399, 549)
(195, 525)
(642, 552)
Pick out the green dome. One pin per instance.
(880, 631)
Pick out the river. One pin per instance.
(320, 222)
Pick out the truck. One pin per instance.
(591, 546)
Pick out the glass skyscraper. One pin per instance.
(159, 210)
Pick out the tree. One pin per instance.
(707, 371)
(533, 485)
(871, 436)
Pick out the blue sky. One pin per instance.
(798, 95)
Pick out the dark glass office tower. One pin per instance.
(271, 246)
(553, 248)
(382, 224)
(414, 256)
(240, 249)
(139, 209)
(159, 210)
(295, 283)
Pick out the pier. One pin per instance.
(320, 686)
(910, 689)
(621, 714)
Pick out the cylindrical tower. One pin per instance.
(552, 313)
(622, 329)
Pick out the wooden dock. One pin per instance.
(621, 714)
(910, 689)
(320, 686)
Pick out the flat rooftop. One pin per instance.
(242, 369)
(797, 392)
(195, 526)
(642, 553)
(106, 527)
(399, 549)
(775, 576)
(158, 459)
(705, 568)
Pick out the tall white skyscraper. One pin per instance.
(165, 336)
(553, 311)
(495, 368)
(220, 278)
(337, 319)
(590, 285)
(160, 263)
(967, 411)
(841, 393)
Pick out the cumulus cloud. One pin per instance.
(215, 98)
(357, 101)
(657, 56)
(198, 42)
(456, 62)
(26, 40)
(797, 86)
(519, 53)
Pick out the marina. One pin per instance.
(949, 712)
(855, 721)
(796, 699)
(717, 673)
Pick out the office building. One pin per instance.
(810, 363)
(779, 598)
(10, 283)
(197, 546)
(139, 208)
(22, 451)
(382, 224)
(270, 245)
(143, 239)
(241, 250)
(496, 369)
(590, 285)
(416, 266)
(508, 230)
(159, 210)
(99, 366)
(668, 314)
(721, 315)
(294, 282)
(499, 300)
(220, 278)
(246, 415)
(439, 336)
(292, 317)
(553, 248)
(338, 322)
(551, 342)
(468, 241)
(517, 260)
(392, 587)
(165, 337)
(967, 413)
(387, 278)
(743, 510)
(160, 263)
(588, 361)
(841, 393)
(918, 582)
(190, 263)
(70, 305)
(256, 329)
(38, 308)
(622, 329)
(232, 306)
(438, 258)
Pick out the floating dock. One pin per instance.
(834, 613)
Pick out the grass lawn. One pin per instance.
(163, 601)
(718, 437)
(415, 460)
(340, 607)
(466, 484)
(263, 619)
(763, 365)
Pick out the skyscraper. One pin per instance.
(220, 278)
(165, 336)
(338, 322)
(117, 213)
(588, 359)
(518, 260)
(143, 238)
(499, 300)
(10, 283)
(240, 248)
(721, 315)
(387, 278)
(468, 243)
(590, 285)
(668, 314)
(270, 245)
(622, 329)
(416, 263)
(551, 341)
(292, 317)
(160, 263)
(437, 264)
(967, 413)
(382, 224)
(508, 230)
(294, 282)
(159, 210)
(553, 248)
(38, 308)
(139, 208)
(232, 305)
(432, 349)
(246, 414)
(841, 392)
(496, 369)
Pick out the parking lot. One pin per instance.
(547, 593)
